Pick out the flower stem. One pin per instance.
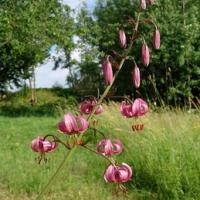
(60, 167)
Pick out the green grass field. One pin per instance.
(165, 158)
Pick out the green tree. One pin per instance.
(28, 29)
(174, 72)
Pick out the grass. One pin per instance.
(165, 159)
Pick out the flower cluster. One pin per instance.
(73, 126)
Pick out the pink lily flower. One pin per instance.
(43, 146)
(73, 124)
(145, 55)
(118, 174)
(136, 76)
(134, 109)
(156, 39)
(107, 71)
(139, 107)
(143, 4)
(122, 39)
(87, 106)
(106, 147)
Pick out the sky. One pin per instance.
(45, 76)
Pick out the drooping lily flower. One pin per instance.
(143, 4)
(43, 146)
(107, 70)
(106, 147)
(134, 109)
(87, 106)
(118, 174)
(139, 107)
(122, 39)
(136, 76)
(145, 55)
(73, 124)
(156, 39)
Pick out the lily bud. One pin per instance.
(107, 71)
(136, 76)
(122, 39)
(143, 4)
(145, 55)
(156, 39)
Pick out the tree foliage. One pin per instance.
(174, 73)
(28, 29)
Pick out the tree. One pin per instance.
(174, 73)
(28, 29)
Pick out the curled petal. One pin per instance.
(117, 147)
(109, 174)
(81, 125)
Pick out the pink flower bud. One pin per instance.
(107, 148)
(107, 71)
(156, 39)
(40, 145)
(138, 108)
(122, 39)
(87, 106)
(143, 4)
(118, 174)
(136, 76)
(145, 55)
(73, 124)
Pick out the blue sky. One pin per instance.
(45, 76)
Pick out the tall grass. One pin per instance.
(165, 158)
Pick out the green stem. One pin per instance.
(53, 178)
(69, 154)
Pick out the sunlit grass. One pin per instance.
(164, 156)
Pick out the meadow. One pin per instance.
(165, 158)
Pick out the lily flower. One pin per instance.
(43, 146)
(118, 174)
(73, 124)
(134, 109)
(87, 106)
(106, 147)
